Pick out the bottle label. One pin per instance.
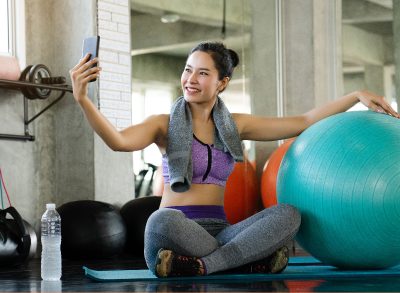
(50, 228)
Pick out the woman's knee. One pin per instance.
(291, 214)
(286, 212)
(164, 218)
(160, 225)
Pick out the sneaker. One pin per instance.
(273, 264)
(170, 264)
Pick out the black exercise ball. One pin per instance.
(91, 229)
(135, 214)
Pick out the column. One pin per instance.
(296, 59)
(396, 44)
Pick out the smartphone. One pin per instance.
(91, 46)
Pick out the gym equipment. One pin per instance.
(15, 241)
(34, 242)
(270, 174)
(135, 214)
(343, 175)
(296, 270)
(242, 197)
(39, 74)
(144, 181)
(91, 229)
(35, 82)
(18, 241)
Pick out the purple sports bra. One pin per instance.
(210, 165)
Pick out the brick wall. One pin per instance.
(115, 59)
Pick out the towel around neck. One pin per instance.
(180, 135)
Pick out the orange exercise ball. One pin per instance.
(270, 173)
(242, 197)
(303, 285)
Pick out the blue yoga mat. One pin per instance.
(298, 269)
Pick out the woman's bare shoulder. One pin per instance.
(162, 119)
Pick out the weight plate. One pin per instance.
(26, 91)
(35, 75)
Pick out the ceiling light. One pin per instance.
(170, 18)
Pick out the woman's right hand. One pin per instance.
(376, 103)
(81, 74)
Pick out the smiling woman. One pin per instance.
(200, 140)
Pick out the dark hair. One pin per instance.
(225, 59)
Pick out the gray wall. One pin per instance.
(155, 67)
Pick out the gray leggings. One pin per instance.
(221, 246)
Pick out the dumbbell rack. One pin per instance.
(22, 86)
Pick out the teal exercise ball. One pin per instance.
(343, 174)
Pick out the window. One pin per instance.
(12, 29)
(6, 27)
(149, 100)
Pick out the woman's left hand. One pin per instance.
(376, 103)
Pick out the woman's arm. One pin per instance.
(133, 138)
(273, 128)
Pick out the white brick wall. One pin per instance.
(115, 60)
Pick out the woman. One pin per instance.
(199, 141)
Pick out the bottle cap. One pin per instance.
(50, 206)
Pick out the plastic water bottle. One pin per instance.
(51, 244)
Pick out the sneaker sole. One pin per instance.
(164, 260)
(280, 260)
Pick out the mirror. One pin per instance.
(162, 37)
(368, 48)
(164, 32)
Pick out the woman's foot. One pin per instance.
(273, 264)
(170, 264)
(277, 262)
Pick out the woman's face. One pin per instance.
(199, 79)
